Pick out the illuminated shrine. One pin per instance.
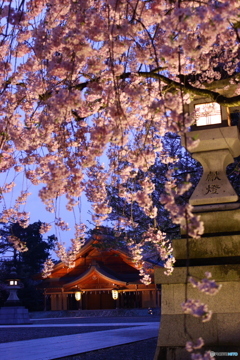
(101, 279)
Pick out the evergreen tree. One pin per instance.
(27, 263)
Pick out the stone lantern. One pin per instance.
(13, 286)
(12, 312)
(218, 146)
(218, 251)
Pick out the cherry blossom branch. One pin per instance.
(189, 89)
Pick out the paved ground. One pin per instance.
(81, 338)
(42, 331)
(141, 350)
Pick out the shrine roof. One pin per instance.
(51, 283)
(97, 270)
(97, 257)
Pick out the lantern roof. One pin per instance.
(13, 274)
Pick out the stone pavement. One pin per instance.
(60, 346)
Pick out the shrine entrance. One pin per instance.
(93, 300)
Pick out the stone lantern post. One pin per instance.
(13, 286)
(12, 312)
(218, 251)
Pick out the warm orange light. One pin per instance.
(208, 114)
(114, 294)
(78, 295)
(13, 282)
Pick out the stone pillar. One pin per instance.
(218, 251)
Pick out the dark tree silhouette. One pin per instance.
(27, 263)
(184, 165)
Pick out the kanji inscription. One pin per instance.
(212, 176)
(212, 189)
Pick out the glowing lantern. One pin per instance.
(208, 114)
(13, 287)
(13, 282)
(78, 295)
(114, 294)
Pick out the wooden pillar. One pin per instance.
(140, 299)
(80, 303)
(58, 302)
(53, 302)
(64, 301)
(117, 302)
(136, 296)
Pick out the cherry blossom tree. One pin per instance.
(183, 166)
(83, 79)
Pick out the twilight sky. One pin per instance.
(38, 212)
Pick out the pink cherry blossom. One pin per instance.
(206, 285)
(197, 309)
(83, 80)
(17, 243)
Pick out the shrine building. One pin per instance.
(103, 278)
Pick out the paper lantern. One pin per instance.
(78, 295)
(114, 294)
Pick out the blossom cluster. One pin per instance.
(206, 285)
(96, 193)
(137, 251)
(69, 256)
(192, 346)
(17, 243)
(79, 238)
(15, 216)
(142, 197)
(197, 309)
(62, 224)
(44, 228)
(163, 246)
(181, 214)
(47, 268)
